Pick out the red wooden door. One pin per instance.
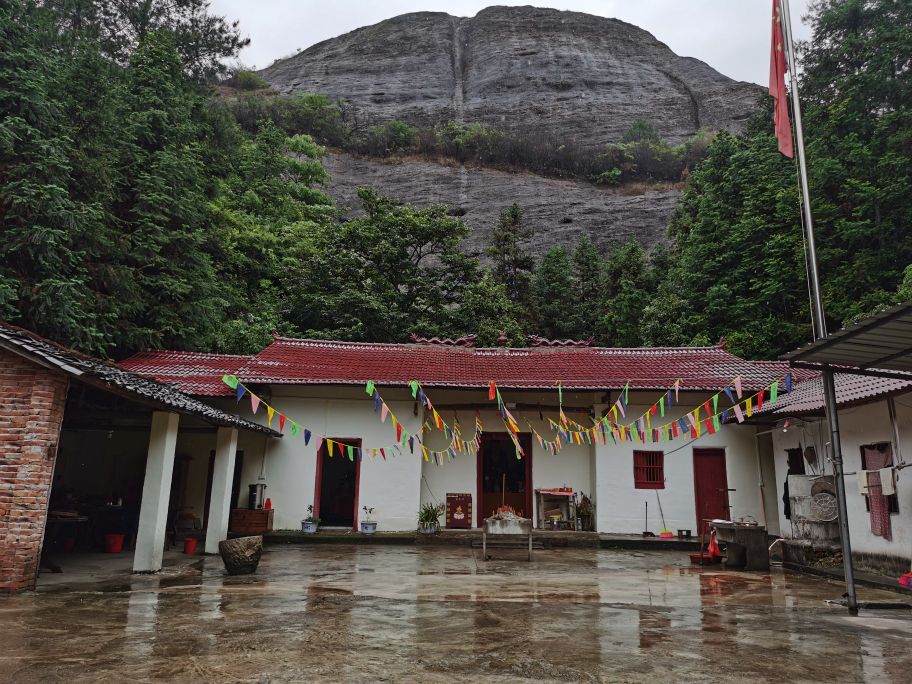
(710, 485)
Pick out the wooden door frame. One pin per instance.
(697, 450)
(525, 440)
(318, 476)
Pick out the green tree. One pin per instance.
(552, 295)
(488, 310)
(739, 269)
(43, 275)
(203, 40)
(739, 266)
(628, 288)
(270, 213)
(588, 288)
(511, 265)
(163, 205)
(397, 270)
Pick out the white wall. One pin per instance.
(571, 467)
(397, 487)
(391, 487)
(867, 424)
(621, 508)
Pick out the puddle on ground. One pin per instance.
(429, 615)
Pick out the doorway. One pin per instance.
(504, 479)
(337, 481)
(710, 485)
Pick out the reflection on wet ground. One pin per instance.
(440, 614)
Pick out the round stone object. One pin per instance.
(242, 555)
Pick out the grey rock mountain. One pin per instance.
(566, 75)
(558, 211)
(575, 76)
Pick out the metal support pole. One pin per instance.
(829, 390)
(819, 320)
(829, 386)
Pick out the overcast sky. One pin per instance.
(732, 36)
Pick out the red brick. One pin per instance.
(33, 399)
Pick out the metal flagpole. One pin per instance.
(829, 385)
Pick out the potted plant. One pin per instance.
(368, 526)
(310, 524)
(584, 512)
(428, 516)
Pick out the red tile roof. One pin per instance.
(780, 368)
(294, 361)
(851, 390)
(192, 372)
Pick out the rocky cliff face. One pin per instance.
(575, 77)
(571, 77)
(557, 211)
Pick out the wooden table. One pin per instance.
(564, 500)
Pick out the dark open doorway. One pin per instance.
(336, 495)
(503, 478)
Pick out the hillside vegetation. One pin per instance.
(142, 210)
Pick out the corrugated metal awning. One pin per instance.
(880, 345)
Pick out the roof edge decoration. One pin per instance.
(464, 341)
(536, 341)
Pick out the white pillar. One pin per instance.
(220, 497)
(153, 511)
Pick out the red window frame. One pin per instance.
(649, 469)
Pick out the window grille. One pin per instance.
(649, 470)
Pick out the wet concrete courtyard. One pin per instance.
(441, 614)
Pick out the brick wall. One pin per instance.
(32, 400)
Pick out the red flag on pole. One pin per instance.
(778, 67)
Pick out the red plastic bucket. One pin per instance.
(113, 543)
(190, 546)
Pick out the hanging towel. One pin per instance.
(881, 525)
(863, 483)
(887, 481)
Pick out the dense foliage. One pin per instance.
(739, 269)
(141, 210)
(642, 155)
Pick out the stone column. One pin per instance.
(153, 511)
(222, 479)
